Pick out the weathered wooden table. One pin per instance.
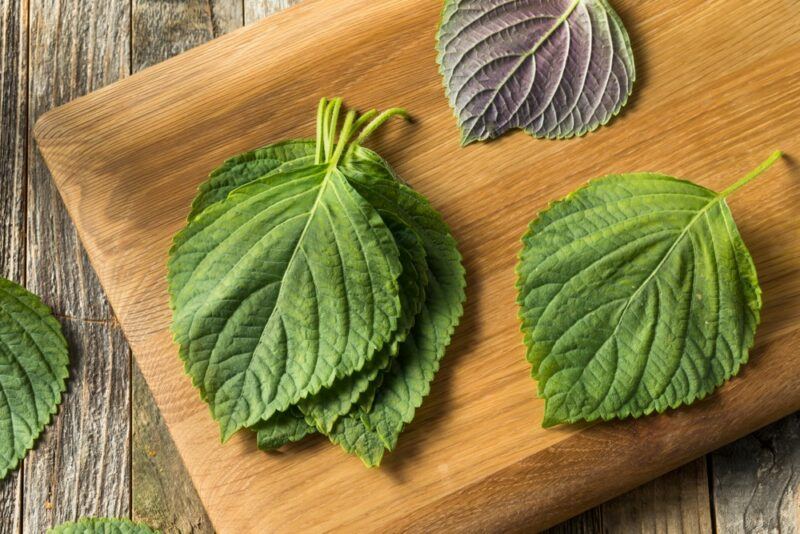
(107, 452)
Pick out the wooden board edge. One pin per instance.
(503, 500)
(42, 128)
(506, 493)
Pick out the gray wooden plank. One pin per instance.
(677, 502)
(258, 9)
(226, 15)
(756, 481)
(163, 28)
(589, 522)
(13, 164)
(13, 136)
(163, 494)
(674, 503)
(11, 503)
(82, 463)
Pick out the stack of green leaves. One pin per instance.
(312, 291)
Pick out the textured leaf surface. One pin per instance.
(354, 436)
(244, 168)
(329, 404)
(554, 68)
(262, 292)
(326, 406)
(408, 380)
(102, 526)
(409, 383)
(368, 432)
(33, 370)
(637, 294)
(247, 223)
(403, 387)
(282, 428)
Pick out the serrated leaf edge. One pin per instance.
(61, 376)
(548, 422)
(465, 140)
(86, 521)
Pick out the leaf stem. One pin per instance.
(333, 123)
(376, 123)
(323, 104)
(344, 137)
(752, 175)
(326, 119)
(329, 128)
(332, 149)
(363, 119)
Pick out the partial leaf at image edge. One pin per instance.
(33, 371)
(102, 525)
(637, 294)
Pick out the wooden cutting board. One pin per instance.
(718, 90)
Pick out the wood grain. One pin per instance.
(13, 136)
(677, 502)
(13, 168)
(756, 482)
(674, 503)
(446, 461)
(163, 495)
(255, 10)
(81, 465)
